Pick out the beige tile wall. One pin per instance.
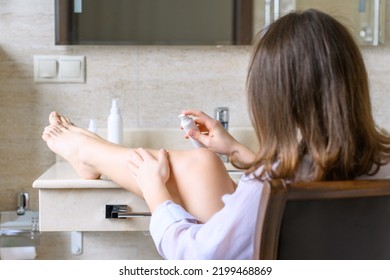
(153, 83)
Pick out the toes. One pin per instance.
(47, 133)
(57, 119)
(45, 136)
(54, 118)
(53, 130)
(64, 120)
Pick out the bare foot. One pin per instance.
(66, 141)
(58, 119)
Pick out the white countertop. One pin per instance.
(61, 175)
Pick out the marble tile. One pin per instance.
(173, 79)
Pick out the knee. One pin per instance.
(196, 161)
(205, 161)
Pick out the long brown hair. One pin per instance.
(309, 99)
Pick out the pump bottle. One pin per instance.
(114, 124)
(188, 124)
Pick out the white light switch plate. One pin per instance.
(59, 69)
(47, 68)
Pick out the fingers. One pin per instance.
(192, 112)
(202, 120)
(143, 165)
(140, 155)
(136, 158)
(144, 154)
(134, 161)
(200, 116)
(197, 135)
(133, 168)
(162, 155)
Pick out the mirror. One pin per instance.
(364, 18)
(154, 22)
(198, 22)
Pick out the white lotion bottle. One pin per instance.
(188, 124)
(114, 124)
(92, 125)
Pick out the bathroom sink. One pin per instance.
(11, 223)
(18, 230)
(173, 138)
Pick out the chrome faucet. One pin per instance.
(222, 115)
(23, 201)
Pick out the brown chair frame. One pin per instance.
(281, 192)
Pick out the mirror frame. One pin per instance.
(66, 24)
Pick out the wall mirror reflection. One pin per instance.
(198, 22)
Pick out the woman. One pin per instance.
(310, 106)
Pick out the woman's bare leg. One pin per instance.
(197, 181)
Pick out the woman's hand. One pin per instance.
(151, 174)
(212, 134)
(215, 137)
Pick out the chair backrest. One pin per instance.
(327, 220)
